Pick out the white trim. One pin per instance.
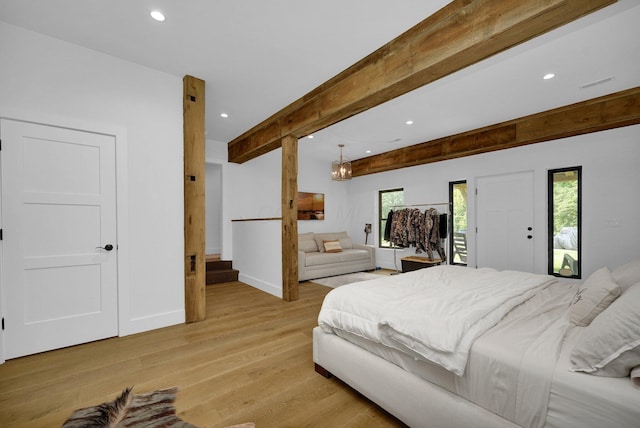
(125, 325)
(273, 289)
(155, 321)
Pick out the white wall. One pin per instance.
(258, 255)
(213, 208)
(610, 174)
(46, 78)
(315, 177)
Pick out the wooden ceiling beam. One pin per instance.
(461, 34)
(606, 112)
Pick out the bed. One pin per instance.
(454, 346)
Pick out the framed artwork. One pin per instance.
(310, 206)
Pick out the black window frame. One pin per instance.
(452, 184)
(550, 221)
(382, 217)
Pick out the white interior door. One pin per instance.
(59, 248)
(504, 210)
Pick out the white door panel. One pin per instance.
(504, 239)
(58, 190)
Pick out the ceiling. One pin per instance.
(258, 56)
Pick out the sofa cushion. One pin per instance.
(318, 259)
(307, 243)
(346, 243)
(319, 237)
(355, 254)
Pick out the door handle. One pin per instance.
(107, 247)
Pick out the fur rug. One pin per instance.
(150, 410)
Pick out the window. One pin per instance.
(565, 212)
(458, 224)
(388, 200)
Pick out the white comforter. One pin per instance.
(433, 314)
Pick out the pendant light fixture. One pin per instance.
(341, 169)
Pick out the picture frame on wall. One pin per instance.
(310, 206)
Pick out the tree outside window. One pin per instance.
(564, 236)
(388, 200)
(458, 225)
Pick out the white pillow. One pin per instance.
(610, 346)
(593, 297)
(627, 274)
(635, 376)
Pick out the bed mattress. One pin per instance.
(584, 400)
(519, 370)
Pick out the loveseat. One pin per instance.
(327, 254)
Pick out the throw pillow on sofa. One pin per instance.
(332, 246)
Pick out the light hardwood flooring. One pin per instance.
(249, 361)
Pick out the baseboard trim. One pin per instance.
(153, 322)
(273, 289)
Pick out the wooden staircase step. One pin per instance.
(221, 276)
(219, 271)
(219, 265)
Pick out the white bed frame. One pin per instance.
(413, 400)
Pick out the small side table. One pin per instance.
(414, 263)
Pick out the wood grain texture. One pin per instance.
(460, 34)
(194, 198)
(289, 218)
(598, 114)
(249, 361)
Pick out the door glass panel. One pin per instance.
(564, 222)
(388, 200)
(458, 225)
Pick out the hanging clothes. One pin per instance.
(387, 226)
(409, 227)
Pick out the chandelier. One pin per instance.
(341, 169)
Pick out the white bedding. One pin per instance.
(584, 400)
(435, 314)
(510, 368)
(517, 369)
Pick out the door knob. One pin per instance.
(107, 247)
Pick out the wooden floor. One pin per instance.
(250, 361)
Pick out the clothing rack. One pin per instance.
(421, 205)
(395, 261)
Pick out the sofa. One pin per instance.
(328, 254)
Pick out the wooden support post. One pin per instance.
(194, 199)
(289, 218)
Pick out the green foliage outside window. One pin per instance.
(388, 199)
(565, 204)
(460, 207)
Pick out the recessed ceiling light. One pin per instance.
(309, 136)
(224, 115)
(368, 151)
(409, 122)
(157, 15)
(548, 76)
